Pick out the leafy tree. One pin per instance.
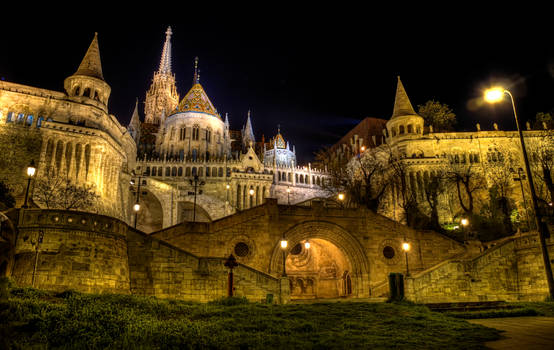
(57, 191)
(6, 197)
(439, 115)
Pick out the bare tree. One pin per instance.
(57, 191)
(467, 180)
(432, 188)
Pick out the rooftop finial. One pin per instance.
(278, 128)
(196, 79)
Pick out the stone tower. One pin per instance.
(87, 85)
(405, 122)
(162, 95)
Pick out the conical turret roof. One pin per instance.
(402, 104)
(91, 65)
(135, 119)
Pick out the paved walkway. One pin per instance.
(521, 333)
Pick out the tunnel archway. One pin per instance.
(337, 266)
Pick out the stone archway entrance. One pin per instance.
(187, 212)
(150, 216)
(334, 266)
(318, 270)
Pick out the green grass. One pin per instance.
(71, 320)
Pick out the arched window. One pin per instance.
(167, 171)
(410, 129)
(200, 171)
(86, 92)
(214, 172)
(208, 172)
(96, 96)
(182, 155)
(195, 132)
(418, 129)
(194, 154)
(76, 91)
(194, 171)
(20, 118)
(207, 155)
(154, 171)
(220, 172)
(208, 135)
(39, 122)
(147, 173)
(187, 171)
(9, 118)
(401, 130)
(180, 172)
(29, 120)
(182, 133)
(160, 171)
(174, 171)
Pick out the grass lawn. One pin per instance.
(70, 320)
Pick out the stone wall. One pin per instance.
(359, 234)
(79, 251)
(164, 271)
(512, 270)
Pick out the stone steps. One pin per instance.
(469, 306)
(338, 300)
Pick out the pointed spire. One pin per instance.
(165, 62)
(227, 119)
(402, 104)
(91, 65)
(196, 78)
(135, 119)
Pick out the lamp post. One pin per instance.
(196, 185)
(231, 263)
(341, 197)
(520, 177)
(406, 247)
(251, 193)
(284, 245)
(495, 95)
(136, 206)
(31, 170)
(39, 242)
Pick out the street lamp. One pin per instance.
(307, 245)
(196, 184)
(464, 223)
(31, 170)
(494, 95)
(284, 245)
(406, 248)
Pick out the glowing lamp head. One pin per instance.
(284, 244)
(464, 222)
(494, 94)
(227, 186)
(288, 190)
(362, 149)
(136, 207)
(251, 192)
(341, 196)
(31, 170)
(406, 246)
(307, 245)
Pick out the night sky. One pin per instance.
(317, 80)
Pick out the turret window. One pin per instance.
(208, 135)
(401, 130)
(86, 93)
(182, 134)
(195, 133)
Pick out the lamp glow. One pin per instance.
(464, 222)
(362, 149)
(136, 207)
(307, 245)
(406, 246)
(31, 170)
(227, 187)
(284, 244)
(288, 190)
(251, 192)
(494, 94)
(341, 196)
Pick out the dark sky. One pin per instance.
(317, 79)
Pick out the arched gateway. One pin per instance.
(335, 265)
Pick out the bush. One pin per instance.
(230, 301)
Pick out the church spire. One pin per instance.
(402, 104)
(165, 62)
(91, 65)
(134, 124)
(248, 133)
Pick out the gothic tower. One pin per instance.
(87, 84)
(248, 134)
(162, 95)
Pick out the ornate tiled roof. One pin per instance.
(196, 100)
(279, 141)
